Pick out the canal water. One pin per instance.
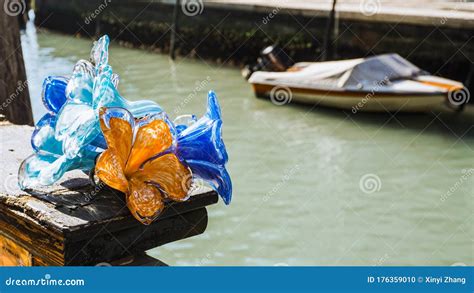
(312, 186)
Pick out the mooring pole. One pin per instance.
(174, 30)
(328, 47)
(14, 96)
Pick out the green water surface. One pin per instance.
(312, 186)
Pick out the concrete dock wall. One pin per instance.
(235, 34)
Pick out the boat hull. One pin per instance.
(353, 101)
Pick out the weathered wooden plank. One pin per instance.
(25, 231)
(72, 222)
(107, 246)
(13, 254)
(72, 204)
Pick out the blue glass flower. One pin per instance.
(201, 147)
(69, 136)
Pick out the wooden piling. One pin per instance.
(174, 30)
(14, 96)
(328, 51)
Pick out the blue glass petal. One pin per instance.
(41, 169)
(105, 94)
(43, 135)
(116, 112)
(143, 108)
(115, 80)
(184, 121)
(77, 126)
(100, 51)
(86, 158)
(79, 87)
(216, 175)
(99, 142)
(202, 141)
(54, 92)
(201, 147)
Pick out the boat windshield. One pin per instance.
(379, 70)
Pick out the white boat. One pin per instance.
(375, 84)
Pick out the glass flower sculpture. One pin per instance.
(138, 150)
(138, 162)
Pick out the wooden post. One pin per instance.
(174, 30)
(328, 46)
(14, 95)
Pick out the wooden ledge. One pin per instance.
(73, 223)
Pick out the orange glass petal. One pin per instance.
(109, 169)
(119, 138)
(151, 139)
(168, 174)
(144, 201)
(127, 165)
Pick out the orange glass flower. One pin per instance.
(137, 163)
